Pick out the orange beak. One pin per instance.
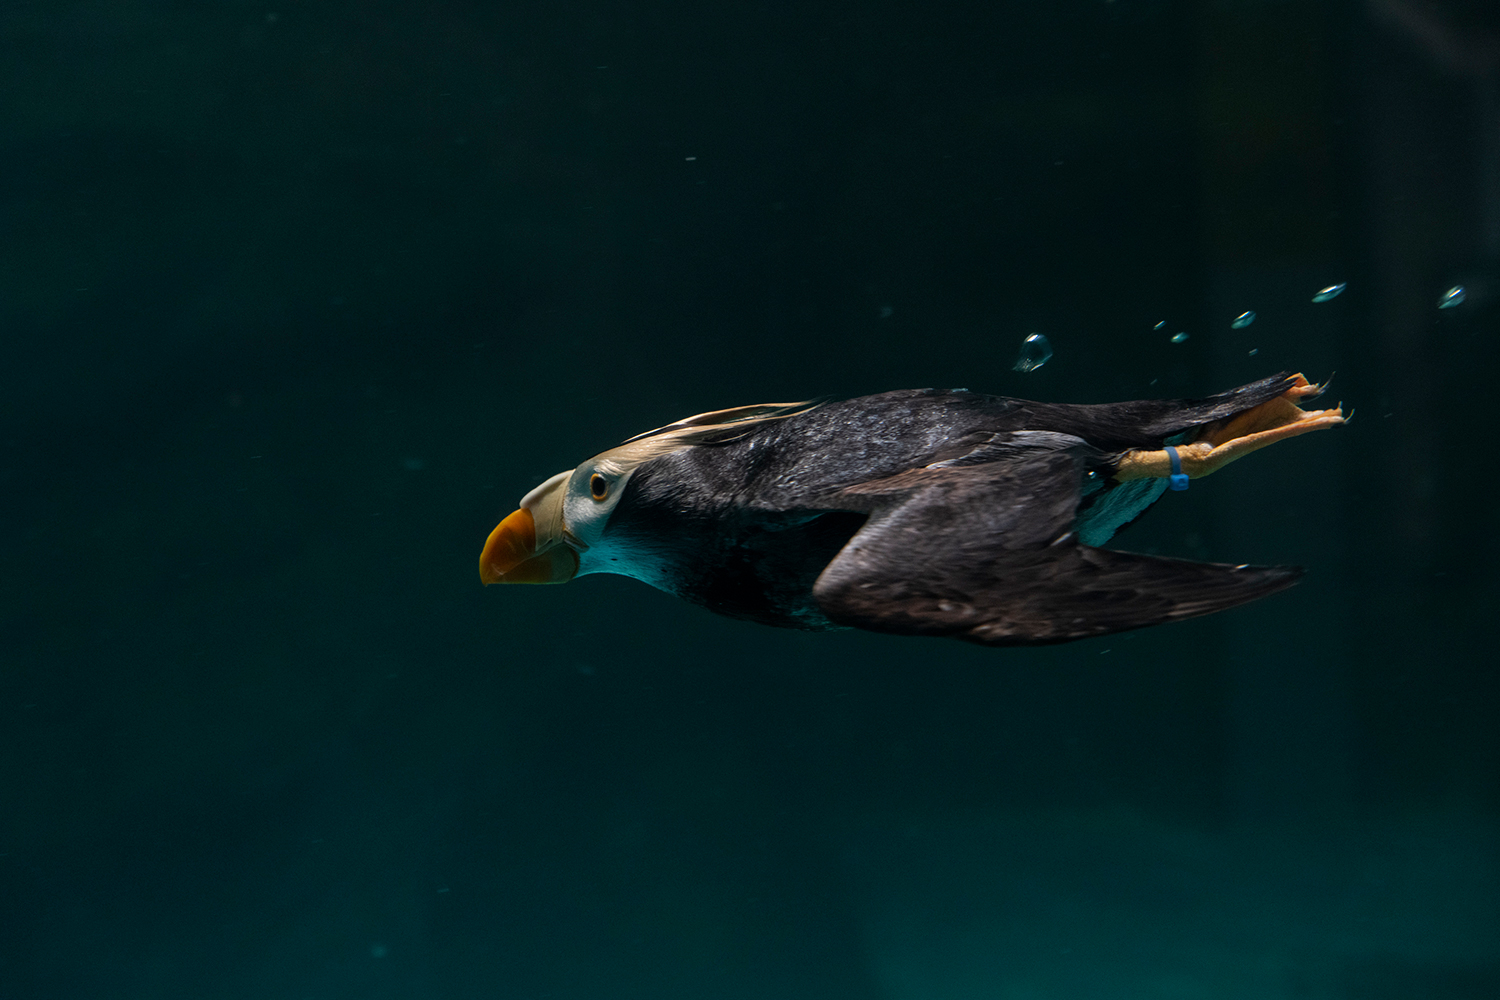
(510, 555)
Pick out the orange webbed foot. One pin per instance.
(1225, 441)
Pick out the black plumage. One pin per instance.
(953, 513)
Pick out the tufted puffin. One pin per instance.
(921, 512)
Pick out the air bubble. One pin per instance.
(1243, 320)
(1331, 292)
(1035, 352)
(1452, 297)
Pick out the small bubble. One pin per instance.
(1331, 292)
(1178, 338)
(1243, 320)
(1452, 297)
(1035, 352)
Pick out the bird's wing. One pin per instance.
(982, 548)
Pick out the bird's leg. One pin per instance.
(1223, 441)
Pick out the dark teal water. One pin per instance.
(297, 300)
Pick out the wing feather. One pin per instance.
(986, 552)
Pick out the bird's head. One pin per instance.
(559, 532)
(549, 538)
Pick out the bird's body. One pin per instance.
(918, 512)
(755, 520)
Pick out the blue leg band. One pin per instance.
(1178, 480)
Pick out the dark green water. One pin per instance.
(297, 300)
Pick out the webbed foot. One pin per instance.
(1223, 441)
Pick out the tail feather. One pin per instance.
(1185, 414)
(1149, 423)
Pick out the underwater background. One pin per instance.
(297, 299)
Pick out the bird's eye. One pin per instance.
(598, 486)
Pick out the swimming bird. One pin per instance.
(918, 512)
